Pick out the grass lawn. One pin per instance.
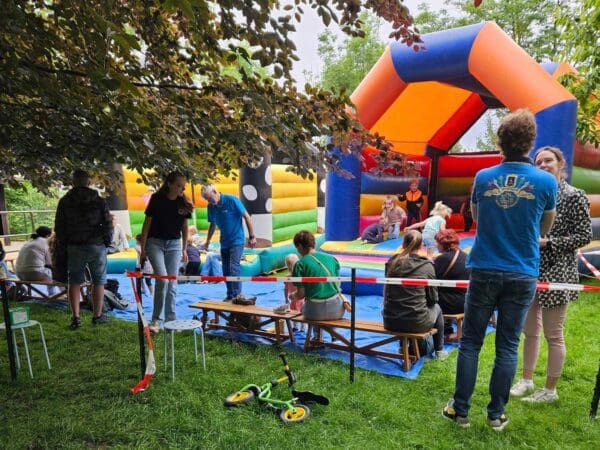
(84, 401)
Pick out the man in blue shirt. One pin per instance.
(514, 205)
(226, 212)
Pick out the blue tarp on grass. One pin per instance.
(271, 295)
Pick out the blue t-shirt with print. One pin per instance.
(227, 215)
(511, 198)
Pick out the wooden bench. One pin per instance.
(32, 287)
(458, 318)
(223, 309)
(343, 343)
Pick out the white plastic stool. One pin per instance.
(22, 327)
(183, 325)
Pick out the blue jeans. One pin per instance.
(512, 293)
(231, 266)
(164, 255)
(212, 265)
(394, 231)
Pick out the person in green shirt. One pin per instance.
(323, 301)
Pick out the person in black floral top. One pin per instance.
(572, 230)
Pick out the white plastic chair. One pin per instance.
(183, 325)
(22, 327)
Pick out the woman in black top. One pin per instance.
(164, 239)
(450, 265)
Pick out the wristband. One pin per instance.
(251, 237)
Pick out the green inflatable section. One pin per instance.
(586, 179)
(273, 258)
(136, 220)
(287, 219)
(282, 234)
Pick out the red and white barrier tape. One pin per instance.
(150, 363)
(461, 284)
(595, 271)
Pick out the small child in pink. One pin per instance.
(289, 288)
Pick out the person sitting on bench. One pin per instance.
(322, 301)
(412, 309)
(34, 262)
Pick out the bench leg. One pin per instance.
(307, 340)
(405, 356)
(290, 329)
(459, 327)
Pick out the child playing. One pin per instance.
(433, 224)
(289, 288)
(414, 202)
(373, 234)
(144, 266)
(392, 216)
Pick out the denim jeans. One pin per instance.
(394, 230)
(164, 255)
(212, 265)
(512, 293)
(231, 266)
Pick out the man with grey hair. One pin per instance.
(226, 212)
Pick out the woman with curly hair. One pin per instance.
(571, 230)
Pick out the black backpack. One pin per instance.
(112, 297)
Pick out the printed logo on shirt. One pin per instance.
(509, 189)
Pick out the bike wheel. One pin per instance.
(239, 398)
(290, 417)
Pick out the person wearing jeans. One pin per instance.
(165, 256)
(164, 236)
(514, 203)
(226, 212)
(512, 294)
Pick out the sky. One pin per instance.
(306, 42)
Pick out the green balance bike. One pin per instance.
(290, 411)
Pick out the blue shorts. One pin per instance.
(429, 241)
(94, 256)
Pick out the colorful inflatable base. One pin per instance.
(255, 261)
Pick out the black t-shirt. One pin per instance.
(167, 216)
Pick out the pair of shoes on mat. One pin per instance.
(282, 309)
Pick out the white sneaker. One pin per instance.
(542, 396)
(154, 326)
(441, 355)
(522, 387)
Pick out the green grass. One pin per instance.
(84, 401)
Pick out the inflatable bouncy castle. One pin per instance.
(280, 202)
(422, 103)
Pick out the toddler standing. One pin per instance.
(434, 223)
(289, 288)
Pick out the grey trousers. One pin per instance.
(324, 309)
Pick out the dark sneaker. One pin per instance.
(449, 413)
(75, 323)
(499, 423)
(102, 319)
